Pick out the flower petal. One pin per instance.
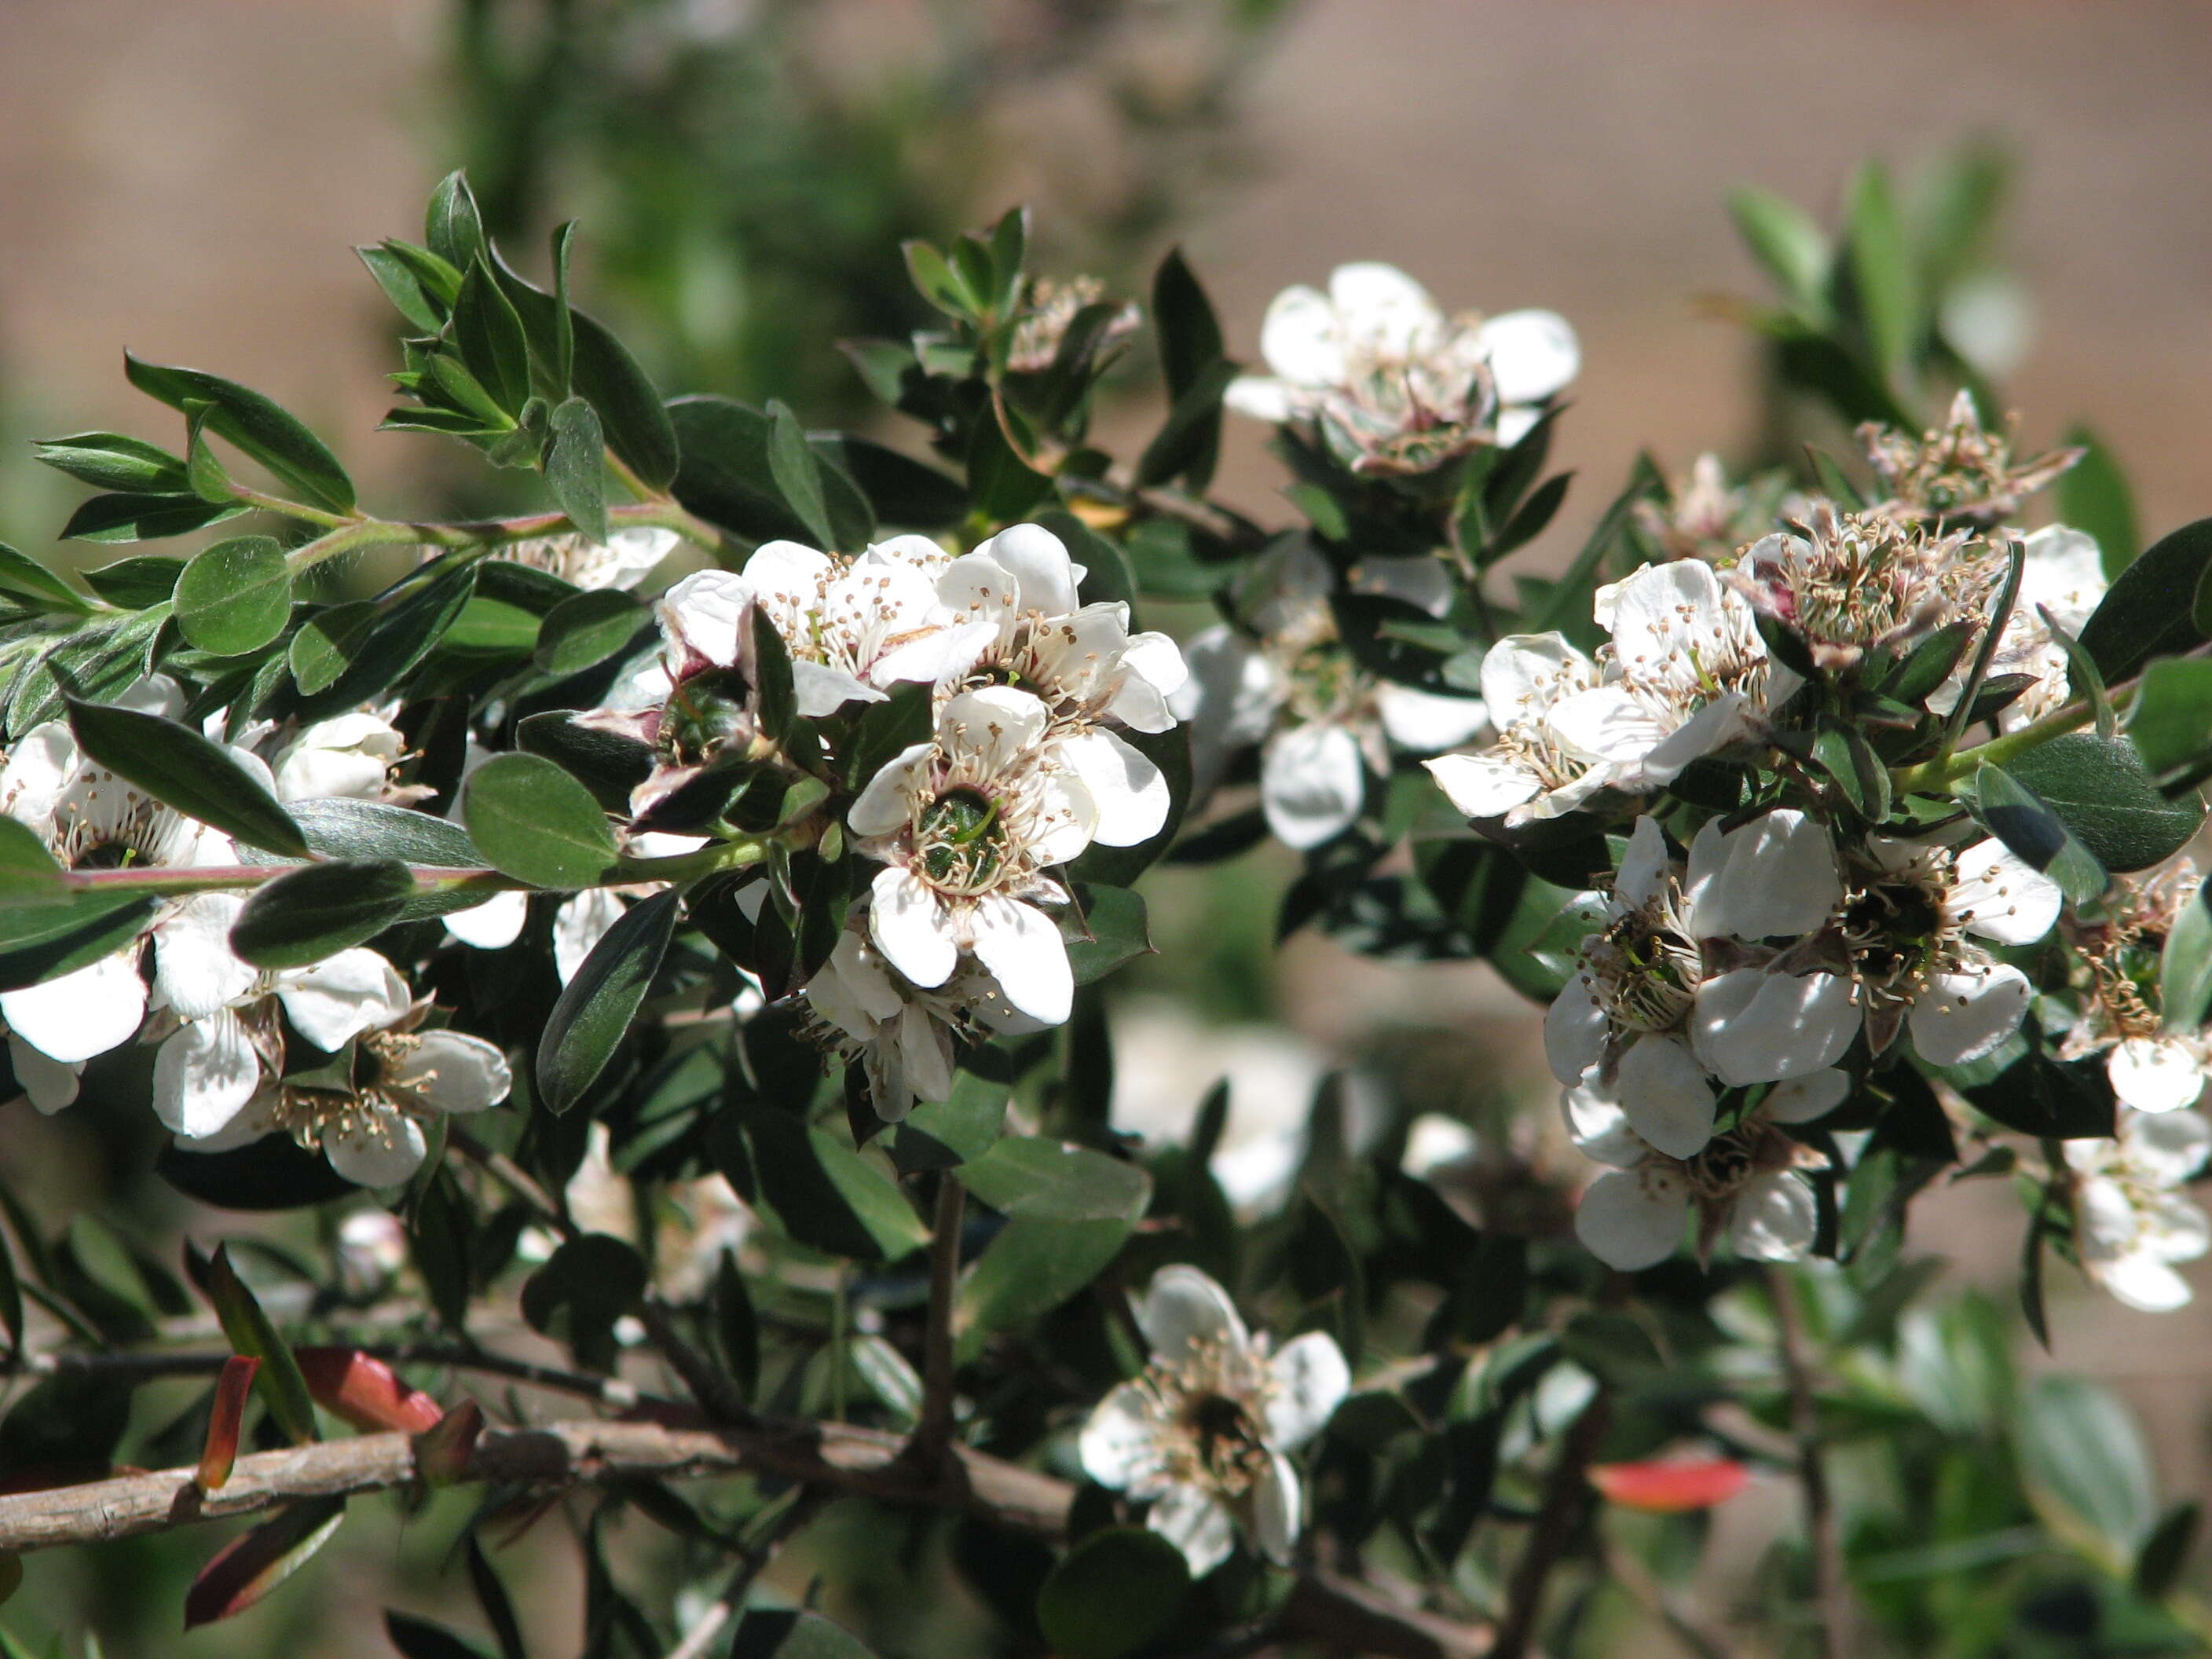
(908, 923)
(1038, 560)
(1666, 1096)
(1181, 1307)
(886, 804)
(194, 970)
(1381, 308)
(1774, 876)
(1025, 953)
(2000, 897)
(1808, 1099)
(1773, 1218)
(1756, 1026)
(492, 925)
(1310, 1381)
(204, 1072)
(46, 1083)
(80, 1014)
(1533, 355)
(454, 1072)
(1423, 721)
(377, 1149)
(1574, 1027)
(1276, 1509)
(1130, 792)
(1196, 1523)
(1313, 782)
(340, 997)
(1961, 1017)
(2155, 1074)
(1122, 1441)
(1299, 339)
(1486, 786)
(1633, 1219)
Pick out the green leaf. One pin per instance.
(1189, 439)
(777, 1635)
(725, 477)
(827, 1196)
(404, 288)
(2166, 1551)
(25, 578)
(1788, 245)
(319, 909)
(256, 426)
(1116, 1592)
(489, 334)
(607, 764)
(1004, 487)
(117, 519)
(1033, 1266)
(889, 1377)
(349, 829)
(2086, 1468)
(597, 1005)
(2028, 826)
(235, 597)
(281, 1388)
(2093, 496)
(1883, 276)
(452, 226)
(1842, 751)
(537, 824)
(1027, 1177)
(2170, 723)
(136, 583)
(564, 322)
(936, 281)
(174, 764)
(593, 1281)
(798, 474)
(416, 615)
(586, 629)
(575, 467)
(1119, 932)
(737, 1328)
(605, 375)
(418, 1638)
(40, 942)
(2185, 968)
(109, 460)
(28, 874)
(203, 473)
(2100, 790)
(1190, 334)
(902, 490)
(2150, 609)
(328, 643)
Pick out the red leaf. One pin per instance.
(248, 1568)
(365, 1392)
(226, 1420)
(442, 1450)
(1670, 1485)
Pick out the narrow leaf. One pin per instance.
(175, 764)
(225, 1419)
(248, 1568)
(536, 823)
(576, 466)
(283, 1390)
(597, 1005)
(256, 425)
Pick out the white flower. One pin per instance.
(1323, 723)
(2132, 1224)
(965, 826)
(369, 1120)
(1529, 772)
(854, 628)
(1909, 922)
(1205, 1433)
(1857, 581)
(48, 1084)
(1669, 997)
(903, 1034)
(2157, 1074)
(1741, 1183)
(347, 756)
(1392, 383)
(579, 924)
(2062, 572)
(90, 819)
(625, 559)
(1686, 674)
(371, 1248)
(1017, 594)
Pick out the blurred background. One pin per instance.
(186, 178)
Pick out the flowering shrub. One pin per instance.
(678, 915)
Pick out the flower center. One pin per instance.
(704, 712)
(1900, 931)
(961, 841)
(1227, 1441)
(1646, 966)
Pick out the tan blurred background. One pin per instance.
(186, 177)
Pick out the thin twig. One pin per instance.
(1831, 1593)
(806, 1504)
(1566, 1493)
(933, 1429)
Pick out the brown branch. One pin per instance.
(832, 1457)
(933, 1429)
(1830, 1595)
(1566, 1494)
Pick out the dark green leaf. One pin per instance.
(1841, 749)
(1004, 487)
(203, 473)
(725, 477)
(607, 764)
(2166, 1551)
(1118, 928)
(2150, 609)
(281, 1388)
(404, 288)
(136, 583)
(798, 474)
(115, 519)
(1190, 334)
(321, 909)
(2185, 968)
(25, 578)
(2028, 826)
(1115, 1594)
(575, 467)
(489, 334)
(2099, 787)
(418, 1638)
(45, 941)
(536, 823)
(736, 1328)
(1188, 440)
(28, 874)
(452, 225)
(109, 460)
(175, 764)
(597, 1005)
(235, 597)
(2094, 496)
(1882, 277)
(594, 1281)
(273, 1173)
(425, 606)
(328, 642)
(1034, 1265)
(256, 426)
(763, 1634)
(1786, 242)
(1053, 1181)
(586, 629)
(248, 1568)
(827, 1196)
(902, 490)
